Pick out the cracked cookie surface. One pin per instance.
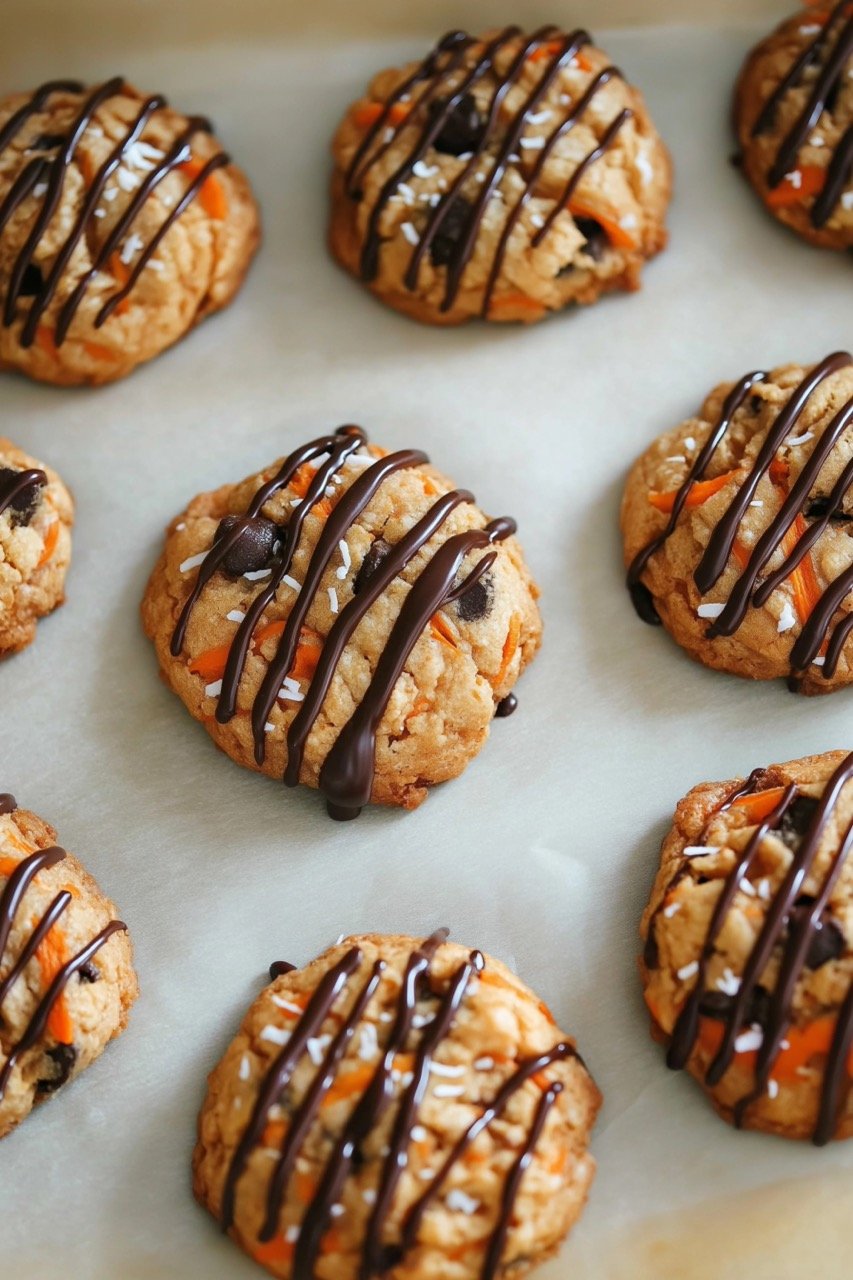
(794, 122)
(36, 515)
(67, 981)
(748, 962)
(345, 619)
(122, 225)
(401, 1106)
(738, 527)
(504, 176)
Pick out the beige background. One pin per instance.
(544, 853)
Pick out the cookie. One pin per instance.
(346, 619)
(794, 122)
(737, 528)
(503, 177)
(122, 224)
(748, 961)
(401, 1108)
(36, 515)
(66, 973)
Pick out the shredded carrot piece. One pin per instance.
(740, 553)
(429, 488)
(212, 195)
(472, 1156)
(52, 954)
(809, 182)
(322, 509)
(541, 1079)
(516, 301)
(492, 979)
(332, 1242)
(349, 1083)
(760, 804)
(700, 491)
(442, 630)
(306, 1186)
(273, 1134)
(513, 636)
(46, 340)
(404, 1062)
(814, 1040)
(421, 704)
(543, 1008)
(98, 352)
(780, 471)
(270, 1252)
(553, 47)
(11, 837)
(270, 632)
(121, 274)
(619, 236)
(366, 114)
(210, 665)
(301, 479)
(7, 866)
(558, 1164)
(307, 655)
(50, 540)
(803, 579)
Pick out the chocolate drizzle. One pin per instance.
(790, 928)
(831, 50)
(346, 776)
(43, 178)
(19, 490)
(10, 901)
(428, 121)
(750, 588)
(377, 1255)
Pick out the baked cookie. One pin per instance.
(398, 1108)
(737, 528)
(504, 177)
(66, 973)
(748, 962)
(346, 619)
(794, 122)
(36, 515)
(122, 224)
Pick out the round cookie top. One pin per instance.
(122, 224)
(736, 527)
(748, 964)
(794, 120)
(502, 177)
(66, 974)
(346, 619)
(36, 515)
(398, 1107)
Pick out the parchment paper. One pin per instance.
(543, 854)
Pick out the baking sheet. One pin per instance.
(544, 852)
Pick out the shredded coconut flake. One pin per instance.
(484, 1064)
(793, 441)
(193, 562)
(406, 193)
(211, 690)
(772, 1088)
(749, 1041)
(257, 574)
(287, 1005)
(275, 1035)
(333, 599)
(787, 618)
(688, 970)
(419, 1133)
(408, 230)
(729, 983)
(458, 1200)
(344, 569)
(131, 247)
(532, 144)
(672, 909)
(448, 1090)
(644, 168)
(710, 610)
(235, 615)
(699, 850)
(245, 1067)
(292, 583)
(443, 1069)
(423, 170)
(317, 1046)
(689, 443)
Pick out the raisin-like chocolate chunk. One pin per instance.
(89, 972)
(32, 281)
(827, 942)
(254, 547)
(378, 552)
(477, 601)
(63, 1056)
(443, 245)
(463, 128)
(47, 142)
(818, 507)
(24, 503)
(595, 235)
(795, 822)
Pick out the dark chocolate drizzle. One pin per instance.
(377, 1255)
(831, 50)
(26, 284)
(347, 774)
(750, 588)
(19, 489)
(10, 901)
(786, 927)
(428, 120)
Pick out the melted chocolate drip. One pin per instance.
(506, 706)
(455, 124)
(750, 588)
(346, 776)
(831, 50)
(377, 1255)
(796, 926)
(20, 490)
(51, 171)
(10, 901)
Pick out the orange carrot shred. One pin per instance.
(47, 342)
(348, 1084)
(52, 954)
(421, 704)
(307, 655)
(442, 631)
(513, 636)
(367, 113)
(803, 579)
(700, 491)
(212, 195)
(98, 352)
(270, 632)
(516, 301)
(620, 237)
(808, 180)
(50, 540)
(332, 1242)
(121, 274)
(210, 665)
(270, 1252)
(741, 553)
(780, 471)
(301, 479)
(760, 804)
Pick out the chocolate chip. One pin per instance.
(63, 1056)
(477, 601)
(716, 1004)
(451, 231)
(827, 942)
(651, 954)
(89, 972)
(818, 507)
(462, 129)
(755, 403)
(253, 549)
(23, 505)
(47, 142)
(31, 281)
(595, 236)
(371, 562)
(795, 822)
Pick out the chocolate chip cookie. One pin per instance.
(503, 176)
(399, 1107)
